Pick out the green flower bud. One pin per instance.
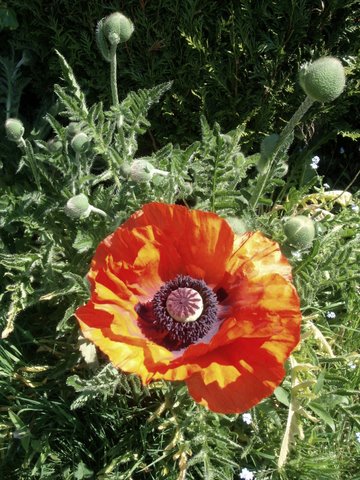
(142, 171)
(117, 28)
(14, 129)
(80, 142)
(54, 144)
(72, 129)
(267, 147)
(78, 206)
(300, 231)
(323, 80)
(237, 224)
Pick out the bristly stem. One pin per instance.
(113, 75)
(284, 136)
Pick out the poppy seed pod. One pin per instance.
(117, 28)
(80, 142)
(300, 231)
(14, 129)
(323, 80)
(78, 206)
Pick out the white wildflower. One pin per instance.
(357, 435)
(247, 418)
(315, 162)
(351, 365)
(331, 314)
(247, 475)
(355, 208)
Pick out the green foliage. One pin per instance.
(65, 413)
(231, 61)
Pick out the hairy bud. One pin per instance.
(323, 80)
(300, 231)
(80, 142)
(72, 129)
(142, 171)
(54, 144)
(117, 28)
(14, 129)
(78, 206)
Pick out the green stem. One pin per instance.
(284, 136)
(113, 75)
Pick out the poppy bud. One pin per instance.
(72, 129)
(117, 28)
(80, 142)
(300, 231)
(78, 206)
(54, 145)
(14, 129)
(143, 171)
(267, 147)
(323, 80)
(237, 224)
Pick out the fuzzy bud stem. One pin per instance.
(284, 136)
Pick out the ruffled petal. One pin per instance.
(234, 380)
(199, 237)
(254, 254)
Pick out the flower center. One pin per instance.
(185, 304)
(182, 312)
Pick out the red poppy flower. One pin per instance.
(176, 295)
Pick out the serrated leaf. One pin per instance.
(83, 242)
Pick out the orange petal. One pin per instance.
(234, 380)
(254, 254)
(199, 237)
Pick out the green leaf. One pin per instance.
(323, 414)
(83, 242)
(282, 396)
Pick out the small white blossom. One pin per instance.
(331, 314)
(247, 418)
(296, 254)
(315, 160)
(351, 365)
(326, 185)
(355, 208)
(247, 475)
(342, 150)
(357, 435)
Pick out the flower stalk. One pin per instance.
(284, 137)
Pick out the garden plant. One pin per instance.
(173, 309)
